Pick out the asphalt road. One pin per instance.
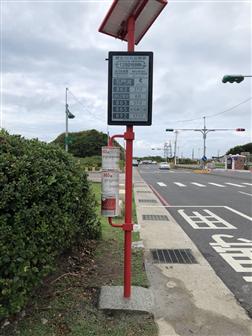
(216, 213)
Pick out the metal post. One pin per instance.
(204, 137)
(66, 133)
(175, 148)
(129, 137)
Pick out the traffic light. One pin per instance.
(233, 78)
(169, 130)
(240, 129)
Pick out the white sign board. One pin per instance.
(110, 158)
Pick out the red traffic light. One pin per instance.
(240, 129)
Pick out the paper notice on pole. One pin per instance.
(110, 182)
(110, 158)
(110, 193)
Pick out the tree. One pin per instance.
(241, 148)
(85, 143)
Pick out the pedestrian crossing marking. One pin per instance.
(217, 185)
(249, 184)
(198, 184)
(179, 184)
(235, 185)
(205, 222)
(161, 184)
(182, 185)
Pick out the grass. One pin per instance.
(66, 303)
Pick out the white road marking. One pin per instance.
(237, 253)
(235, 185)
(241, 192)
(203, 222)
(161, 184)
(248, 278)
(249, 184)
(239, 213)
(198, 184)
(179, 184)
(217, 185)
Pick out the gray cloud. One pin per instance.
(53, 45)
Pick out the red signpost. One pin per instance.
(129, 21)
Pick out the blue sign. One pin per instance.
(204, 158)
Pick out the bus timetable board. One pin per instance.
(130, 88)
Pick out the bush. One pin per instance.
(45, 206)
(91, 161)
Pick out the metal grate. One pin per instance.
(147, 201)
(177, 256)
(155, 217)
(143, 191)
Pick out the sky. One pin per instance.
(47, 46)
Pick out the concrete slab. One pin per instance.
(111, 298)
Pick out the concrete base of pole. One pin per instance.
(141, 299)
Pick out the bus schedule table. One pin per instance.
(130, 88)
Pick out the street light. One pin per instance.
(69, 115)
(233, 78)
(175, 144)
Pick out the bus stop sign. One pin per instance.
(130, 88)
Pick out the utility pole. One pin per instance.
(167, 150)
(204, 132)
(175, 147)
(66, 133)
(69, 115)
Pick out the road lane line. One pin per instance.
(179, 184)
(249, 184)
(235, 185)
(198, 184)
(241, 192)
(161, 184)
(238, 213)
(217, 185)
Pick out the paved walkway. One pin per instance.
(190, 299)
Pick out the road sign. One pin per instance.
(204, 158)
(130, 88)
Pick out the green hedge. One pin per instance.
(45, 204)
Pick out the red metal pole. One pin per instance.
(129, 137)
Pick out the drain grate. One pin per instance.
(143, 191)
(147, 201)
(177, 256)
(155, 217)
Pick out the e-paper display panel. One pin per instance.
(130, 88)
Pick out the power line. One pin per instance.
(78, 101)
(215, 114)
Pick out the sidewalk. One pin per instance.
(190, 299)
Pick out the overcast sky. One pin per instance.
(50, 45)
